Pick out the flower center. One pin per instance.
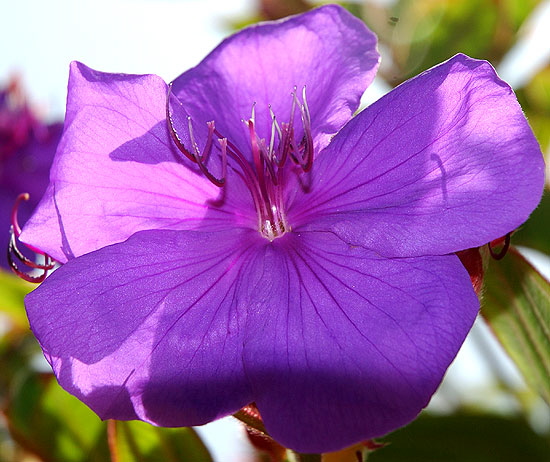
(266, 171)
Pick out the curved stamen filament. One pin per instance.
(175, 137)
(196, 156)
(15, 254)
(263, 171)
(500, 255)
(307, 142)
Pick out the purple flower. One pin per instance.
(262, 258)
(27, 147)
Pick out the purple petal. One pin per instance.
(26, 171)
(116, 170)
(444, 162)
(150, 327)
(344, 345)
(327, 49)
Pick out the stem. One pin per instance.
(112, 440)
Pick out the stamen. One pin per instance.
(255, 150)
(504, 250)
(14, 252)
(288, 130)
(301, 155)
(263, 169)
(196, 149)
(175, 137)
(272, 139)
(307, 142)
(269, 164)
(253, 114)
(196, 156)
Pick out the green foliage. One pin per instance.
(54, 425)
(535, 101)
(140, 442)
(12, 293)
(516, 305)
(418, 35)
(534, 233)
(471, 438)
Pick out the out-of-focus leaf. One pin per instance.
(471, 438)
(422, 34)
(12, 293)
(537, 92)
(535, 232)
(140, 442)
(516, 305)
(51, 423)
(535, 101)
(516, 12)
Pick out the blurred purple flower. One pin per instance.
(320, 280)
(27, 148)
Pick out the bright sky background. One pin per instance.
(38, 39)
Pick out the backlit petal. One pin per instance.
(444, 162)
(116, 170)
(327, 49)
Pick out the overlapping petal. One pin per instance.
(442, 163)
(151, 327)
(343, 345)
(26, 171)
(116, 170)
(327, 49)
(308, 327)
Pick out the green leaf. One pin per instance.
(140, 442)
(12, 294)
(471, 438)
(424, 33)
(49, 422)
(516, 305)
(534, 233)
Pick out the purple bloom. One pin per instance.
(27, 148)
(319, 281)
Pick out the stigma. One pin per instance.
(266, 171)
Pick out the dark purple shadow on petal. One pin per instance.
(173, 399)
(94, 76)
(437, 158)
(65, 246)
(176, 404)
(157, 146)
(144, 149)
(343, 345)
